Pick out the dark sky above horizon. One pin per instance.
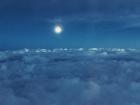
(85, 23)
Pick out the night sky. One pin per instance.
(85, 23)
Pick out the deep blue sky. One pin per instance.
(86, 23)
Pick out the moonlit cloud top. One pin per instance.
(96, 76)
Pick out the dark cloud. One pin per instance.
(73, 6)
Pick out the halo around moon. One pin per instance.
(58, 29)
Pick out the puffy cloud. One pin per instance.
(72, 77)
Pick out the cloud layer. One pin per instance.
(70, 76)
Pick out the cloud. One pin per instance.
(118, 20)
(79, 77)
(74, 6)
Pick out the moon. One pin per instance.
(58, 29)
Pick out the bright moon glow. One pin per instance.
(58, 29)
